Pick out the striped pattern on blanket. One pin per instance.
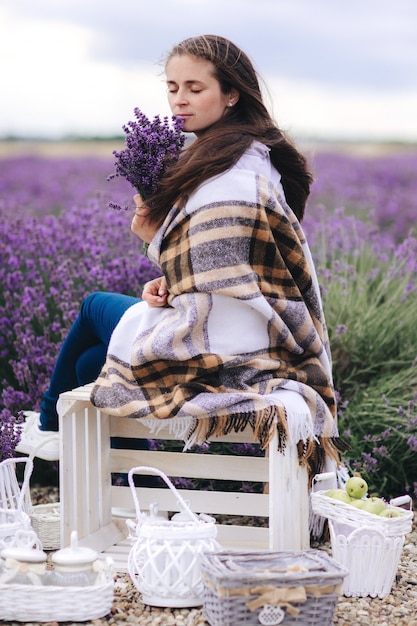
(244, 321)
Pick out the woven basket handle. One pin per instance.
(400, 500)
(154, 470)
(358, 532)
(30, 458)
(320, 478)
(26, 477)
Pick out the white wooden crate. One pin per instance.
(92, 506)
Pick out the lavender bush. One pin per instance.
(55, 249)
(59, 242)
(370, 299)
(381, 191)
(367, 269)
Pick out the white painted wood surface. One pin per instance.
(98, 510)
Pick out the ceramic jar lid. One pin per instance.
(74, 554)
(24, 554)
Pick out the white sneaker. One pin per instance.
(43, 443)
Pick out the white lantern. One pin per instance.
(164, 561)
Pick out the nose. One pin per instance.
(180, 97)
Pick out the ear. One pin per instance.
(233, 96)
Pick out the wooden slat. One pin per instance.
(103, 537)
(238, 537)
(215, 502)
(185, 465)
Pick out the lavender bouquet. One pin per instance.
(151, 146)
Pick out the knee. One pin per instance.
(90, 301)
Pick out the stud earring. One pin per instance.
(230, 104)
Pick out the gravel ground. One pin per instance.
(399, 607)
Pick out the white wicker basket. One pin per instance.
(347, 514)
(370, 556)
(368, 545)
(46, 521)
(164, 560)
(30, 603)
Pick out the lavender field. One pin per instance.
(60, 241)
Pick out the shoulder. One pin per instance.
(231, 186)
(241, 183)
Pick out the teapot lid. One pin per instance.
(183, 515)
(74, 554)
(153, 519)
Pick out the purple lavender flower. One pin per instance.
(151, 146)
(341, 329)
(368, 463)
(381, 451)
(9, 434)
(412, 443)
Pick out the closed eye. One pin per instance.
(173, 90)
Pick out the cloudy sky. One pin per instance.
(334, 69)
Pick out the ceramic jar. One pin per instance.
(23, 565)
(74, 566)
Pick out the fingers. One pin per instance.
(155, 301)
(141, 225)
(140, 209)
(163, 287)
(155, 292)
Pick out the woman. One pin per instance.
(233, 332)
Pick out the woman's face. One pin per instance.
(194, 93)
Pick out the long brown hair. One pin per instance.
(222, 144)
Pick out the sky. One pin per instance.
(333, 69)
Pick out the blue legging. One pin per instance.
(83, 352)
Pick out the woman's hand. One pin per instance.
(155, 292)
(141, 226)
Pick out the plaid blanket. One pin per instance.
(244, 329)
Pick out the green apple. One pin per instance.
(339, 494)
(357, 503)
(356, 487)
(374, 505)
(390, 512)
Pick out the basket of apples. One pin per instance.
(367, 533)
